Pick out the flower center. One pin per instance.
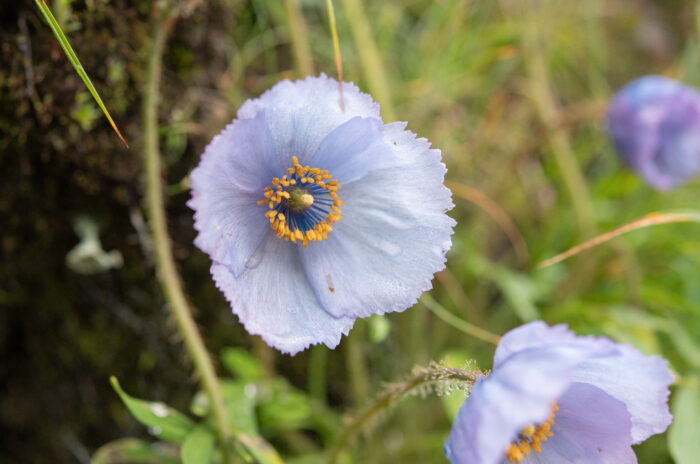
(303, 204)
(530, 438)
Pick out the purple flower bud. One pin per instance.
(654, 123)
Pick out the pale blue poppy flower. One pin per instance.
(654, 123)
(314, 216)
(557, 398)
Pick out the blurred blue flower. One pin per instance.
(314, 216)
(654, 123)
(557, 398)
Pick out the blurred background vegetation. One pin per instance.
(513, 92)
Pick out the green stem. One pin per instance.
(318, 362)
(165, 264)
(424, 377)
(372, 65)
(459, 324)
(357, 369)
(299, 38)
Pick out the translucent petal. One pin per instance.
(392, 238)
(300, 114)
(354, 149)
(538, 334)
(234, 169)
(639, 381)
(590, 427)
(273, 299)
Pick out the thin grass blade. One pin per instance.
(651, 219)
(73, 58)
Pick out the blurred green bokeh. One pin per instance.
(513, 92)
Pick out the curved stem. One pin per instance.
(459, 324)
(165, 264)
(422, 378)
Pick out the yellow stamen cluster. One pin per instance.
(531, 439)
(300, 176)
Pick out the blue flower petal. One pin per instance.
(273, 299)
(654, 123)
(225, 188)
(590, 427)
(519, 392)
(639, 381)
(393, 235)
(302, 113)
(532, 335)
(354, 149)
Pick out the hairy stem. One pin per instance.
(165, 264)
(422, 378)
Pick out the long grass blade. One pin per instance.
(73, 58)
(651, 219)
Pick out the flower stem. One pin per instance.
(422, 378)
(165, 264)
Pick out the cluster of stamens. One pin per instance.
(531, 438)
(303, 204)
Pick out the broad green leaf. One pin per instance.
(683, 434)
(73, 58)
(242, 365)
(240, 400)
(283, 406)
(135, 451)
(163, 421)
(198, 447)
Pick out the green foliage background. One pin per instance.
(506, 89)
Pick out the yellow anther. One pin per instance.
(531, 438)
(285, 203)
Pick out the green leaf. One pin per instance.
(683, 434)
(242, 365)
(283, 406)
(198, 447)
(163, 421)
(135, 451)
(73, 58)
(240, 406)
(240, 400)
